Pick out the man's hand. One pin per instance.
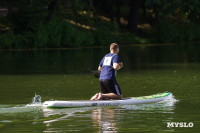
(121, 65)
(99, 68)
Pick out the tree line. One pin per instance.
(76, 23)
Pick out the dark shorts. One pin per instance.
(110, 86)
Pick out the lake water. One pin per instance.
(66, 75)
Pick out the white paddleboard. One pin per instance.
(125, 101)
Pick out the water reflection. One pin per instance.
(64, 113)
(110, 119)
(68, 61)
(105, 120)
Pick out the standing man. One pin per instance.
(108, 83)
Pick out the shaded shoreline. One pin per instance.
(104, 46)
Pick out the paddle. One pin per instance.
(96, 73)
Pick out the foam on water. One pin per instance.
(33, 106)
(170, 100)
(36, 101)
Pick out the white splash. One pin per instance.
(37, 101)
(170, 100)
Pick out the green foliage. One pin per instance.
(188, 32)
(176, 10)
(41, 36)
(6, 40)
(167, 32)
(83, 39)
(55, 33)
(130, 38)
(68, 37)
(103, 35)
(27, 14)
(164, 32)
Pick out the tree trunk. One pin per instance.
(133, 16)
(144, 8)
(89, 2)
(118, 5)
(51, 9)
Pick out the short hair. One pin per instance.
(114, 46)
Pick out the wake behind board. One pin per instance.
(125, 101)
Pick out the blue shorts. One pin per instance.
(110, 86)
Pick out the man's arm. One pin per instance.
(117, 66)
(99, 68)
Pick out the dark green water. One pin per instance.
(66, 75)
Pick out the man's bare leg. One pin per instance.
(109, 96)
(95, 96)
